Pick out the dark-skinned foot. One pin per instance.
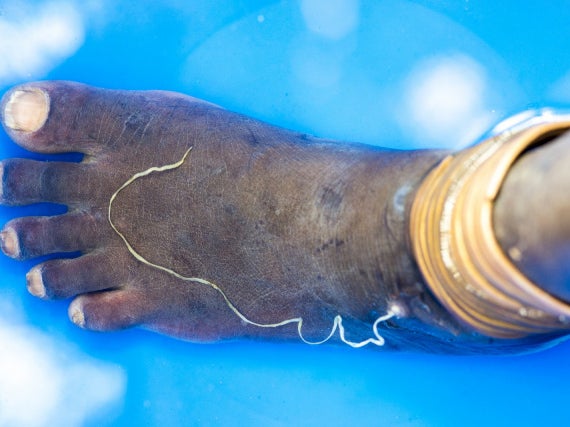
(207, 225)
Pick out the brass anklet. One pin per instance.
(455, 245)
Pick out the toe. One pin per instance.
(27, 181)
(64, 278)
(61, 117)
(109, 311)
(50, 117)
(29, 237)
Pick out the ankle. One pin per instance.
(380, 269)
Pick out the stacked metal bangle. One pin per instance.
(455, 245)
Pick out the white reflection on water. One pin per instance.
(332, 19)
(35, 39)
(45, 382)
(445, 99)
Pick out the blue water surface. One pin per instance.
(397, 73)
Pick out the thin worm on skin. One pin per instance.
(377, 340)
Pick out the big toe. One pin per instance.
(61, 117)
(43, 116)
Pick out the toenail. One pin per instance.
(76, 313)
(9, 242)
(26, 110)
(35, 283)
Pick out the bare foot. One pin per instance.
(206, 225)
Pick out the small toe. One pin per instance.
(64, 278)
(109, 311)
(24, 238)
(24, 182)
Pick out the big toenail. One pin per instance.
(76, 313)
(9, 242)
(35, 283)
(26, 110)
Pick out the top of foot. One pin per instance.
(255, 227)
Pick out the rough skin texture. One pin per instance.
(287, 225)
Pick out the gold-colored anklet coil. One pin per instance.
(455, 246)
